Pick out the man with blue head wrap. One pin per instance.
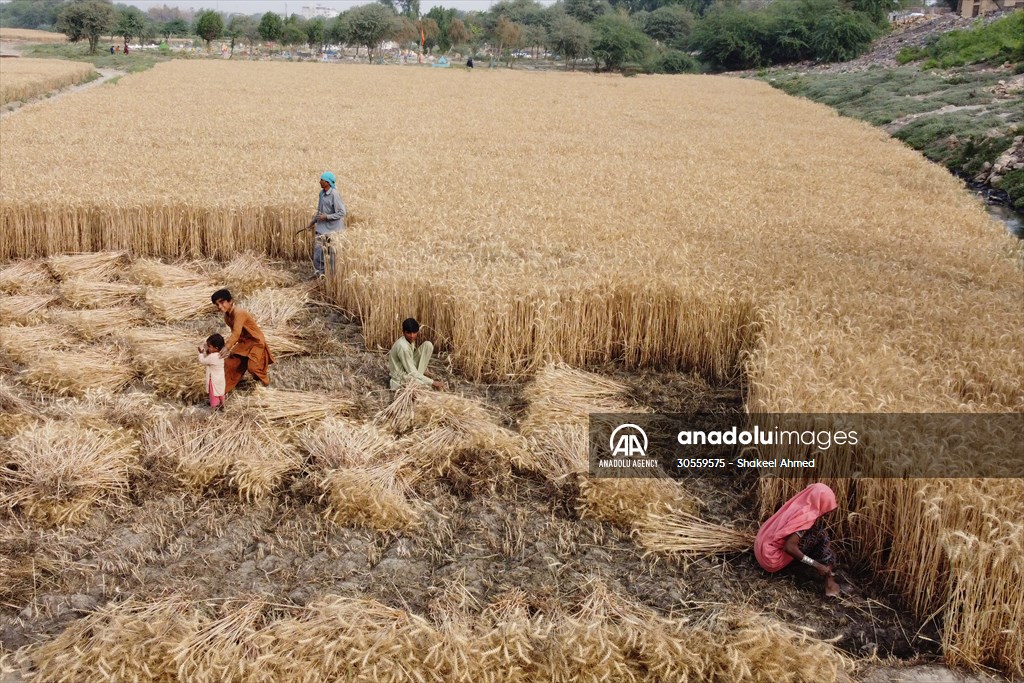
(328, 221)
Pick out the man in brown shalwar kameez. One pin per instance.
(246, 348)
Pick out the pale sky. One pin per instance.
(295, 6)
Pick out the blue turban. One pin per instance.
(329, 177)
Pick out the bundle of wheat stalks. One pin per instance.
(364, 479)
(25, 276)
(296, 409)
(92, 324)
(678, 531)
(82, 293)
(72, 373)
(175, 303)
(606, 637)
(155, 273)
(167, 360)
(57, 472)
(453, 436)
(25, 308)
(249, 272)
(96, 266)
(204, 450)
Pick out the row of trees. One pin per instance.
(652, 35)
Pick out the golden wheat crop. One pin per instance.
(31, 35)
(23, 79)
(706, 223)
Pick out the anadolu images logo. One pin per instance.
(628, 441)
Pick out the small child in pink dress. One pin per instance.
(210, 357)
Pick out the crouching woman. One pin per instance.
(796, 532)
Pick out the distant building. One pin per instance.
(313, 11)
(976, 8)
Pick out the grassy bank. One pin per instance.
(132, 62)
(959, 101)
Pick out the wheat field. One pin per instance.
(31, 35)
(707, 223)
(22, 79)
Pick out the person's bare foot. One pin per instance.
(831, 587)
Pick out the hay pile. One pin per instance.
(178, 303)
(93, 324)
(452, 436)
(155, 273)
(236, 452)
(364, 480)
(605, 638)
(296, 409)
(247, 273)
(74, 373)
(100, 265)
(275, 307)
(21, 342)
(167, 360)
(24, 308)
(56, 472)
(82, 293)
(23, 277)
(680, 532)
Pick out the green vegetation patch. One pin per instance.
(132, 62)
(995, 43)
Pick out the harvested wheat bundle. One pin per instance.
(99, 408)
(560, 451)
(374, 496)
(100, 265)
(56, 472)
(363, 482)
(334, 443)
(276, 307)
(26, 276)
(401, 412)
(155, 273)
(296, 409)
(284, 342)
(25, 308)
(72, 373)
(228, 648)
(17, 413)
(174, 304)
(416, 405)
(240, 452)
(167, 360)
(563, 395)
(247, 273)
(91, 324)
(677, 531)
(128, 641)
(627, 502)
(21, 342)
(81, 293)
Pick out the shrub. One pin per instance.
(842, 35)
(730, 38)
(673, 62)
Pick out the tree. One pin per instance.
(271, 26)
(209, 26)
(586, 10)
(174, 27)
(457, 34)
(427, 30)
(87, 19)
(508, 34)
(316, 32)
(338, 32)
(369, 25)
(35, 14)
(616, 42)
(877, 10)
(731, 38)
(131, 22)
(241, 27)
(570, 38)
(842, 35)
(293, 35)
(409, 8)
(670, 25)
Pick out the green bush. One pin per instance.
(1013, 184)
(995, 43)
(910, 54)
(842, 35)
(731, 38)
(616, 42)
(673, 62)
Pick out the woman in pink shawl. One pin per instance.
(796, 532)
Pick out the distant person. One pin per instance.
(111, 49)
(118, 49)
(406, 359)
(209, 356)
(328, 221)
(126, 47)
(469, 63)
(246, 348)
(796, 532)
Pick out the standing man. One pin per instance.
(329, 219)
(246, 348)
(406, 360)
